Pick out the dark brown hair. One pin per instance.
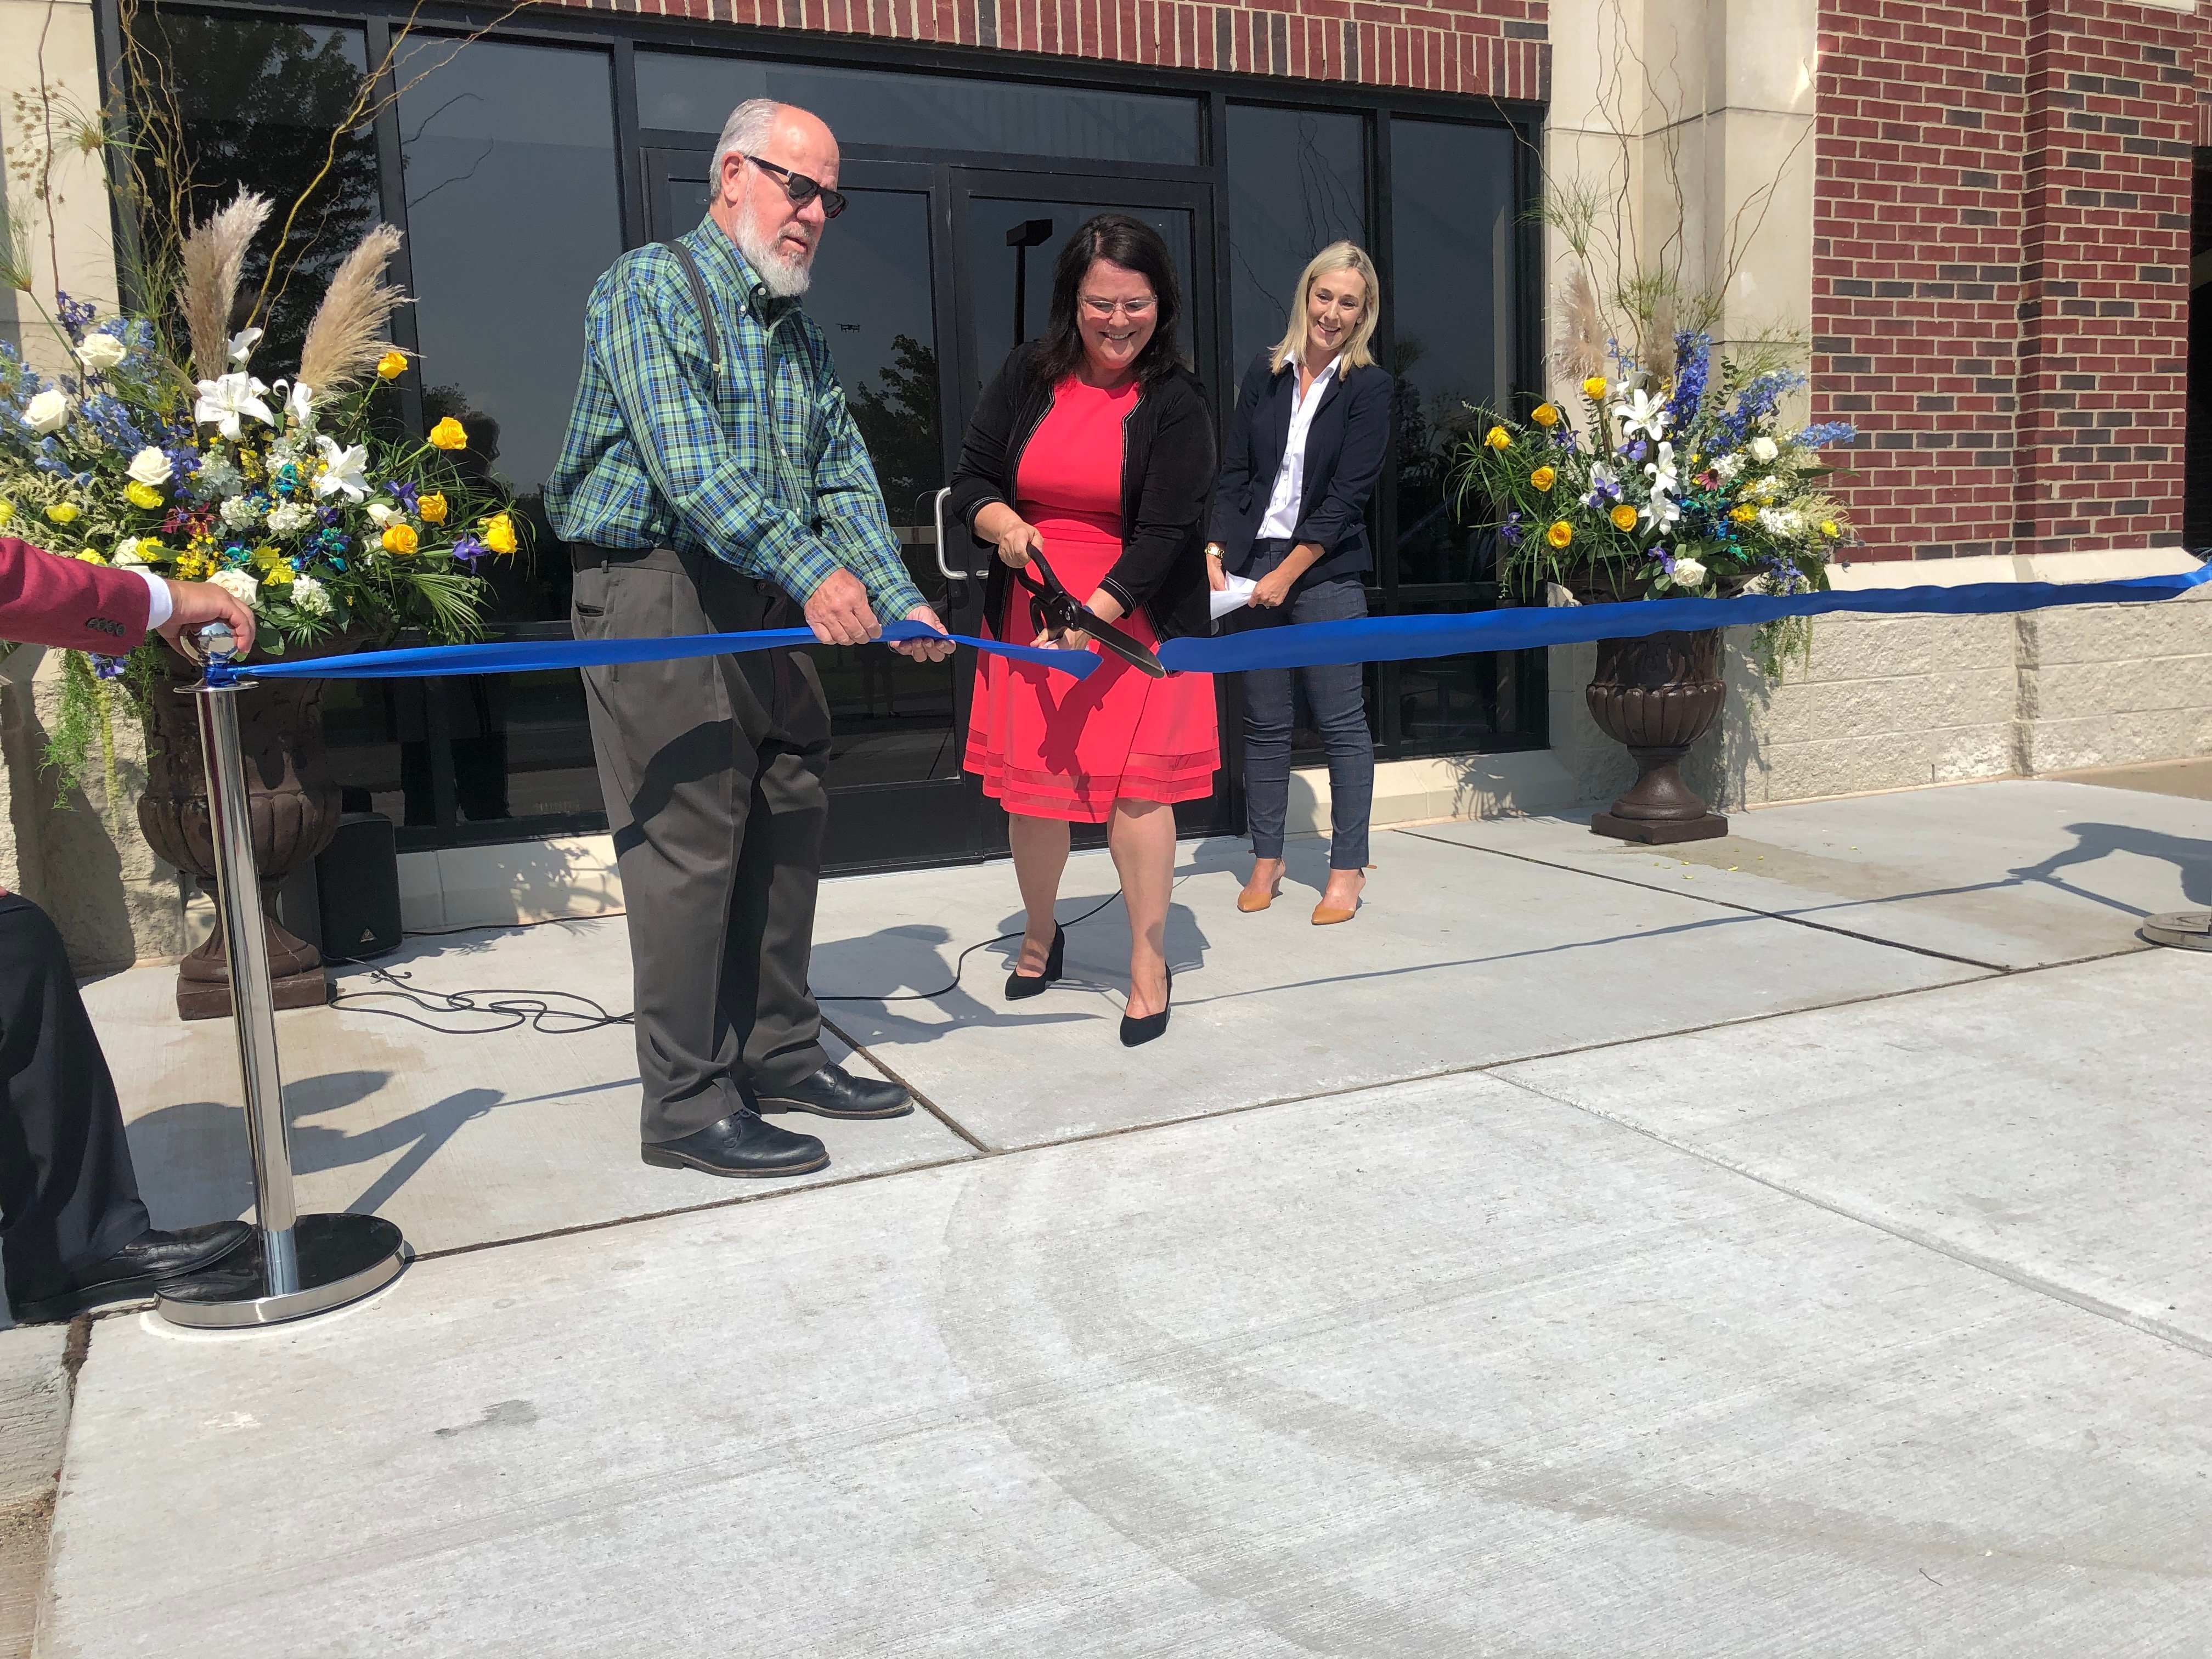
(1135, 246)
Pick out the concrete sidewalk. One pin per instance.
(1792, 1245)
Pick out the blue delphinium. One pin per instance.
(1827, 433)
(1693, 357)
(76, 316)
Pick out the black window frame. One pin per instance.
(622, 35)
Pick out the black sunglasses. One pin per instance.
(801, 189)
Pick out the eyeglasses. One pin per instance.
(1134, 310)
(801, 189)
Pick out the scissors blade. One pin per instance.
(1061, 608)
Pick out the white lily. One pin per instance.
(224, 404)
(1664, 510)
(299, 403)
(242, 344)
(1643, 413)
(381, 515)
(342, 470)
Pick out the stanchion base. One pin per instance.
(341, 1259)
(2189, 930)
(1659, 832)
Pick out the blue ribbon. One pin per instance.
(524, 656)
(1389, 639)
(1371, 638)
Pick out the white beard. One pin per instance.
(783, 276)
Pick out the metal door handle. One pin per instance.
(937, 508)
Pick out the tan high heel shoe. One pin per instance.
(1326, 915)
(1251, 906)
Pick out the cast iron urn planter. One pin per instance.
(1657, 695)
(291, 797)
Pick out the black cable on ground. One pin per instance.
(536, 1008)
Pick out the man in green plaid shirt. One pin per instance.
(713, 482)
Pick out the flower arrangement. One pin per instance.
(1673, 489)
(296, 495)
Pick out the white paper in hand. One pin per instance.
(1235, 597)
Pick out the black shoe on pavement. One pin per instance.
(146, 1264)
(835, 1092)
(740, 1145)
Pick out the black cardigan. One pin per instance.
(1346, 447)
(1167, 468)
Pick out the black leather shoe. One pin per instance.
(149, 1262)
(740, 1145)
(1020, 986)
(1137, 1032)
(835, 1092)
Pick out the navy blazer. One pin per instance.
(1346, 448)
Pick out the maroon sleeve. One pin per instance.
(67, 604)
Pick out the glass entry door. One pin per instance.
(915, 288)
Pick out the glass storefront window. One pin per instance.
(1297, 182)
(258, 101)
(513, 211)
(695, 93)
(1454, 306)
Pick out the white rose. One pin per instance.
(240, 585)
(1764, 448)
(1688, 572)
(101, 352)
(150, 466)
(47, 412)
(126, 554)
(308, 595)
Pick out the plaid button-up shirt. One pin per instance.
(765, 471)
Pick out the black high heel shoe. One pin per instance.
(1020, 985)
(1136, 1031)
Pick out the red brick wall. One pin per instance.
(1494, 48)
(2001, 269)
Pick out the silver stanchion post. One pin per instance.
(308, 1264)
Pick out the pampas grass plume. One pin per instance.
(214, 258)
(347, 336)
(1581, 351)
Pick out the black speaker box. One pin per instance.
(357, 888)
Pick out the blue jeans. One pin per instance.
(1340, 715)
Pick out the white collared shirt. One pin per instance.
(1282, 520)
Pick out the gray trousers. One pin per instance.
(712, 769)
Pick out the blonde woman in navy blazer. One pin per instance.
(1307, 442)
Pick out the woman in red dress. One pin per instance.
(1095, 444)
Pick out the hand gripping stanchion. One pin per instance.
(307, 1264)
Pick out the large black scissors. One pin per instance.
(1053, 607)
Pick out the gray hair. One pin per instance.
(749, 128)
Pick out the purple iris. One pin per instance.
(405, 492)
(468, 550)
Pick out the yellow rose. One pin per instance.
(1560, 533)
(1743, 514)
(390, 366)
(1497, 438)
(449, 434)
(399, 539)
(62, 512)
(142, 494)
(1543, 478)
(431, 508)
(1545, 415)
(1594, 387)
(499, 534)
(91, 555)
(7, 511)
(1624, 517)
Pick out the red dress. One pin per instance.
(1051, 747)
